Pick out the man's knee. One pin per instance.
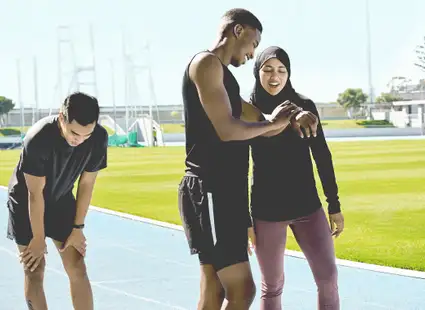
(238, 284)
(212, 292)
(211, 299)
(76, 269)
(242, 293)
(36, 276)
(211, 289)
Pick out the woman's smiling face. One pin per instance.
(273, 76)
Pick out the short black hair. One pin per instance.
(82, 108)
(240, 16)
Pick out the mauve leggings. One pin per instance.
(313, 235)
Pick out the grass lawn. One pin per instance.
(173, 128)
(179, 128)
(11, 131)
(327, 124)
(382, 190)
(16, 131)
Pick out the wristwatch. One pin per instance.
(81, 226)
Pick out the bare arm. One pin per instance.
(36, 205)
(251, 114)
(84, 195)
(97, 162)
(207, 73)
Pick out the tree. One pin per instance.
(398, 84)
(420, 51)
(6, 105)
(352, 99)
(387, 97)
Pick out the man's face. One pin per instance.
(247, 40)
(74, 133)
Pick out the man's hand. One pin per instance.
(306, 120)
(337, 223)
(77, 240)
(251, 240)
(33, 254)
(283, 113)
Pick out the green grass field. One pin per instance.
(382, 190)
(16, 131)
(179, 128)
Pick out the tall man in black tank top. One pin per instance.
(213, 195)
(57, 151)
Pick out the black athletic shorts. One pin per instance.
(214, 221)
(58, 220)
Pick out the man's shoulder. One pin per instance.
(100, 131)
(204, 62)
(203, 57)
(42, 133)
(100, 135)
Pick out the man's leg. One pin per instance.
(75, 267)
(238, 285)
(19, 229)
(222, 239)
(212, 292)
(33, 285)
(193, 208)
(228, 206)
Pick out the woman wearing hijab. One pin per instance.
(284, 192)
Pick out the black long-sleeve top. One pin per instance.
(283, 186)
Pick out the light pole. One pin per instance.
(369, 56)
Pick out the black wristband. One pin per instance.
(81, 226)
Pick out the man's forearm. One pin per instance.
(273, 133)
(36, 214)
(277, 131)
(241, 130)
(84, 195)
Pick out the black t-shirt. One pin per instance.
(208, 157)
(284, 186)
(46, 153)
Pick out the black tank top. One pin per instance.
(207, 156)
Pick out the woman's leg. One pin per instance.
(270, 250)
(314, 237)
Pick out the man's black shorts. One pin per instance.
(215, 221)
(58, 220)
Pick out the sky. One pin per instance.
(325, 39)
